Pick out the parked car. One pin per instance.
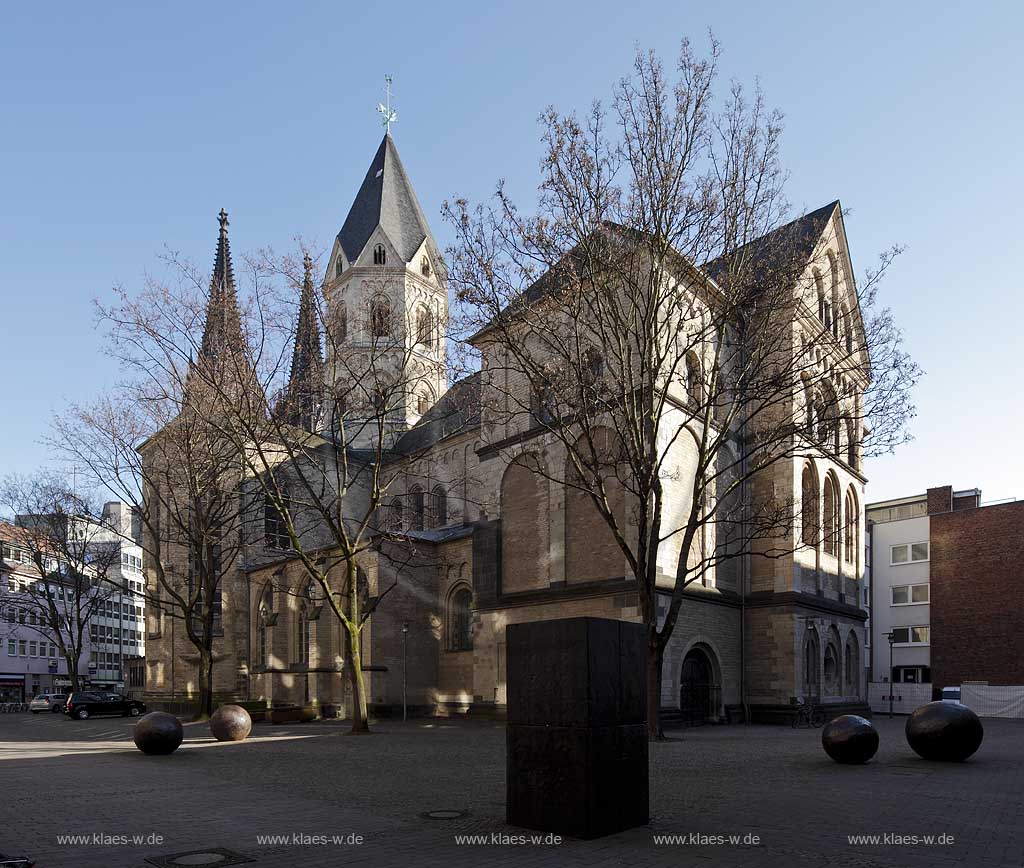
(48, 702)
(90, 703)
(950, 694)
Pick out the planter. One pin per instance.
(308, 714)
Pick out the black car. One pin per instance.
(90, 703)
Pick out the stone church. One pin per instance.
(497, 544)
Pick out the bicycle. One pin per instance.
(810, 716)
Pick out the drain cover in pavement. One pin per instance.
(444, 815)
(215, 856)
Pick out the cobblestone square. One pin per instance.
(310, 795)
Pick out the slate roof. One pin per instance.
(386, 198)
(457, 411)
(785, 248)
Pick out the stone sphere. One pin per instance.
(850, 739)
(158, 733)
(947, 731)
(230, 723)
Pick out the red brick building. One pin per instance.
(977, 590)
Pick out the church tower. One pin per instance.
(387, 303)
(302, 401)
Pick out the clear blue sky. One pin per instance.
(126, 127)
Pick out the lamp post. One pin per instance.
(889, 636)
(405, 668)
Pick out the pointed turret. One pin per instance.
(221, 365)
(301, 403)
(386, 199)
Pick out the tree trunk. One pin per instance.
(204, 708)
(655, 656)
(360, 718)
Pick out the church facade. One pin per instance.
(496, 544)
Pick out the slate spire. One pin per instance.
(387, 199)
(303, 396)
(221, 363)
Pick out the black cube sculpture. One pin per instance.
(158, 733)
(849, 739)
(230, 723)
(577, 726)
(947, 731)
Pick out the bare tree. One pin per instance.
(67, 566)
(219, 449)
(330, 455)
(664, 383)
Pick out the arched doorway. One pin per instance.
(699, 691)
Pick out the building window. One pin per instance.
(542, 403)
(460, 633)
(911, 635)
(809, 506)
(830, 525)
(418, 503)
(438, 507)
(395, 516)
(425, 267)
(339, 266)
(275, 529)
(12, 648)
(908, 553)
(693, 380)
(425, 327)
(22, 648)
(380, 256)
(911, 674)
(380, 318)
(303, 634)
(341, 326)
(423, 401)
(908, 595)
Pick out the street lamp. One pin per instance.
(889, 636)
(405, 668)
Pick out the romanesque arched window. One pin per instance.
(339, 266)
(275, 528)
(460, 623)
(809, 505)
(380, 255)
(851, 530)
(302, 635)
(831, 670)
(395, 516)
(425, 267)
(812, 650)
(694, 380)
(830, 515)
(380, 318)
(265, 614)
(341, 325)
(852, 666)
(424, 398)
(417, 498)
(851, 443)
(425, 327)
(438, 507)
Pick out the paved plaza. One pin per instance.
(310, 795)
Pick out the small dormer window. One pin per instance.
(380, 255)
(339, 265)
(425, 266)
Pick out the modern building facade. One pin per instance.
(30, 660)
(501, 545)
(945, 589)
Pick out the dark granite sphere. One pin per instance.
(230, 723)
(946, 731)
(158, 733)
(850, 739)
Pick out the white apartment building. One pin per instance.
(899, 592)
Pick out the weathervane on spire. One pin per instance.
(388, 114)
